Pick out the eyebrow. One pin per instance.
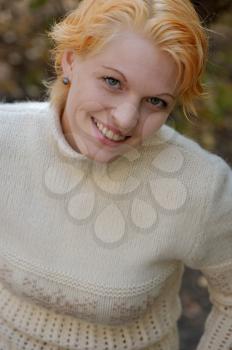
(118, 71)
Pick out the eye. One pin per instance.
(155, 101)
(110, 81)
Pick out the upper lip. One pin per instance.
(112, 128)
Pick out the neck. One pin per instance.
(67, 130)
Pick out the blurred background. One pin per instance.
(25, 64)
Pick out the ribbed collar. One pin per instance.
(164, 134)
(63, 146)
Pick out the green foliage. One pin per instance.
(221, 102)
(34, 4)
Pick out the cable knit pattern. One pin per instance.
(92, 255)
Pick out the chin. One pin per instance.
(101, 155)
(102, 158)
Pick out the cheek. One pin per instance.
(87, 99)
(152, 123)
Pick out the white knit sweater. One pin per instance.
(92, 254)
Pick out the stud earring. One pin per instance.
(66, 81)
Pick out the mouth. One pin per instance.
(106, 136)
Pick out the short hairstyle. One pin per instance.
(172, 25)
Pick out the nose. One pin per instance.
(125, 116)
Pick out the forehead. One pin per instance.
(144, 65)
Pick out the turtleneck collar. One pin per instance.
(164, 134)
(63, 146)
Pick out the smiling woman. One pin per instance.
(155, 21)
(127, 111)
(159, 56)
(102, 204)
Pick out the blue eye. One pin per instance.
(111, 81)
(155, 101)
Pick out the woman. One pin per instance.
(102, 204)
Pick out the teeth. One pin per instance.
(108, 133)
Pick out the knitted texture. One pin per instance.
(92, 255)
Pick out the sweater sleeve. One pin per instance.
(212, 255)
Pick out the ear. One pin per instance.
(67, 63)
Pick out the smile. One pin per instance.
(108, 133)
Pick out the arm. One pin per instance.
(218, 327)
(213, 256)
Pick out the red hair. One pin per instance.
(173, 25)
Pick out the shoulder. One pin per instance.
(23, 117)
(209, 179)
(184, 170)
(22, 110)
(180, 149)
(194, 186)
(22, 124)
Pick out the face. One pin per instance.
(118, 97)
